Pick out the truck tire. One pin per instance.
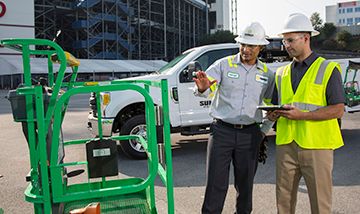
(134, 126)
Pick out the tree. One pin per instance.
(316, 21)
(328, 30)
(330, 44)
(344, 38)
(221, 36)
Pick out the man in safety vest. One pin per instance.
(239, 84)
(308, 132)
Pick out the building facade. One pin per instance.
(344, 13)
(16, 21)
(345, 16)
(223, 15)
(122, 29)
(119, 29)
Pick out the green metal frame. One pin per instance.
(48, 185)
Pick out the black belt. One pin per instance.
(235, 126)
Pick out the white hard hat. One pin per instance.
(253, 34)
(298, 22)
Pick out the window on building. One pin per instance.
(357, 9)
(349, 10)
(339, 10)
(343, 10)
(339, 22)
(349, 21)
(357, 20)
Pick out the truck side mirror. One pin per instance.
(189, 73)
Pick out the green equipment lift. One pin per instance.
(351, 87)
(42, 113)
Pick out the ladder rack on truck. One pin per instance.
(42, 113)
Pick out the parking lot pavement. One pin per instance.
(188, 163)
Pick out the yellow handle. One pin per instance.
(71, 61)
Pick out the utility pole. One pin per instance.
(207, 17)
(165, 31)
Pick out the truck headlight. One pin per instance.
(106, 98)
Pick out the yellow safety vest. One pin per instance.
(309, 96)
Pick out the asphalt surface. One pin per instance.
(188, 163)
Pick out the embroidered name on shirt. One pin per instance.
(233, 75)
(261, 79)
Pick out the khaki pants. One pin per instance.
(293, 162)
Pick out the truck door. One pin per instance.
(194, 110)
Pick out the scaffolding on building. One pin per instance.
(122, 29)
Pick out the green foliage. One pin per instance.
(330, 44)
(221, 36)
(344, 38)
(316, 21)
(354, 44)
(328, 30)
(329, 38)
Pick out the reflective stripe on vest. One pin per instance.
(231, 64)
(213, 86)
(265, 68)
(318, 80)
(310, 96)
(306, 106)
(321, 72)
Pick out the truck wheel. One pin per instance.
(134, 126)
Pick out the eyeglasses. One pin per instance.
(252, 47)
(289, 41)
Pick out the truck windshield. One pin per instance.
(173, 62)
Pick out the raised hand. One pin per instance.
(202, 82)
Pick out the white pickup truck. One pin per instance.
(189, 115)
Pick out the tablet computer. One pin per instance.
(272, 107)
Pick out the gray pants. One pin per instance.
(241, 146)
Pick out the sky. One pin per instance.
(272, 14)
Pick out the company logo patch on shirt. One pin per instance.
(261, 79)
(233, 75)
